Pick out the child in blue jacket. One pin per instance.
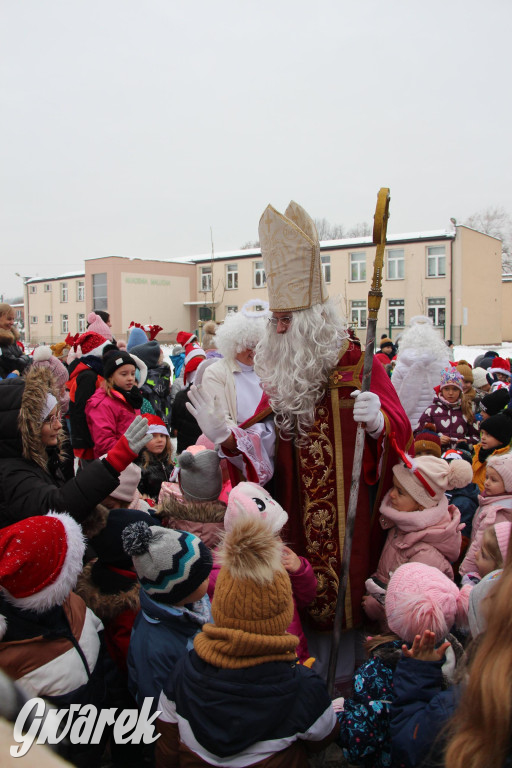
(418, 597)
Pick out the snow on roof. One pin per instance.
(347, 242)
(55, 277)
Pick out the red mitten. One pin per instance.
(121, 455)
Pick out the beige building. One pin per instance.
(454, 277)
(54, 306)
(449, 276)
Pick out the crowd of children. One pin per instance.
(130, 570)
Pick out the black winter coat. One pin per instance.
(36, 485)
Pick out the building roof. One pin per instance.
(81, 273)
(326, 245)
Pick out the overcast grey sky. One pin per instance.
(130, 127)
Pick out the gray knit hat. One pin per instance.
(170, 564)
(200, 475)
(476, 619)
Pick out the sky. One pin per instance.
(135, 128)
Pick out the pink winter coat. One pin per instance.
(492, 510)
(303, 584)
(431, 536)
(108, 418)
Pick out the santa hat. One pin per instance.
(96, 324)
(92, 343)
(194, 355)
(155, 425)
(40, 560)
(500, 365)
(185, 337)
(251, 499)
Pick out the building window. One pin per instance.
(231, 276)
(396, 313)
(19, 315)
(32, 288)
(48, 318)
(436, 310)
(47, 287)
(33, 319)
(80, 290)
(436, 261)
(358, 313)
(64, 292)
(357, 268)
(81, 325)
(259, 277)
(99, 291)
(231, 308)
(206, 279)
(326, 266)
(396, 264)
(64, 324)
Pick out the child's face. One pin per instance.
(450, 393)
(488, 441)
(466, 386)
(157, 443)
(124, 377)
(494, 485)
(485, 563)
(503, 377)
(401, 500)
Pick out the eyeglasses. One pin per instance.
(53, 420)
(276, 320)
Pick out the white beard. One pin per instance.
(294, 367)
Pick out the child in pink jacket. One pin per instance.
(252, 499)
(422, 527)
(114, 405)
(495, 506)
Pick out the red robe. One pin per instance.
(312, 483)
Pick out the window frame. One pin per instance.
(64, 324)
(48, 318)
(395, 261)
(99, 291)
(258, 274)
(436, 257)
(32, 289)
(357, 260)
(64, 292)
(231, 272)
(80, 290)
(438, 304)
(81, 322)
(47, 288)
(33, 319)
(394, 307)
(325, 261)
(206, 279)
(359, 306)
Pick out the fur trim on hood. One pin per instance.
(8, 337)
(171, 507)
(38, 383)
(95, 521)
(106, 606)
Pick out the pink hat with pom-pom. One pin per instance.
(428, 478)
(95, 324)
(251, 499)
(420, 597)
(44, 358)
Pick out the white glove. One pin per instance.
(203, 409)
(137, 434)
(367, 410)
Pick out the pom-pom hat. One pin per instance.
(95, 324)
(427, 478)
(43, 357)
(200, 474)
(40, 560)
(479, 377)
(420, 597)
(252, 606)
(170, 564)
(194, 355)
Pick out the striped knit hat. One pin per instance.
(194, 355)
(170, 564)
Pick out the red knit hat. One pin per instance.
(40, 560)
(194, 355)
(500, 365)
(92, 343)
